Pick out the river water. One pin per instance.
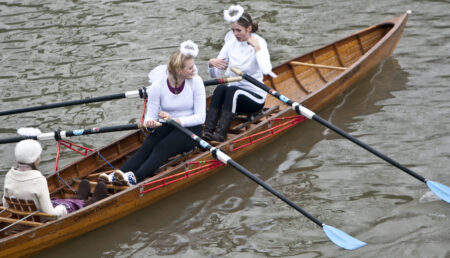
(54, 51)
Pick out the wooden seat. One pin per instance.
(22, 213)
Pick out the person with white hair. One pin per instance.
(247, 51)
(26, 182)
(176, 92)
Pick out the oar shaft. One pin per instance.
(227, 160)
(273, 191)
(63, 104)
(57, 135)
(222, 80)
(367, 147)
(311, 115)
(338, 237)
(130, 94)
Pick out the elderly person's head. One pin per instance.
(28, 152)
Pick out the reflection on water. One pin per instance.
(58, 51)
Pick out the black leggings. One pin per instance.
(236, 100)
(163, 143)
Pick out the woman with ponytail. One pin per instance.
(247, 51)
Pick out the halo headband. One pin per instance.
(189, 48)
(237, 10)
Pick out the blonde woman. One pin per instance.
(176, 92)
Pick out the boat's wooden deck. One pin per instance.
(298, 81)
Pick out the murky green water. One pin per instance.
(53, 51)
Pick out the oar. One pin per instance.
(222, 80)
(441, 190)
(129, 94)
(336, 236)
(318, 65)
(58, 135)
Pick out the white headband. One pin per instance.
(189, 48)
(239, 10)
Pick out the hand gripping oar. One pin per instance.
(58, 135)
(336, 236)
(142, 93)
(441, 190)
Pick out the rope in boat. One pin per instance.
(107, 162)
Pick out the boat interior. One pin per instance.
(296, 79)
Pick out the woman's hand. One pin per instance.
(219, 63)
(164, 115)
(152, 124)
(254, 43)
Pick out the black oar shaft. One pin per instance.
(141, 93)
(367, 147)
(106, 129)
(273, 191)
(16, 139)
(226, 159)
(57, 135)
(222, 80)
(63, 104)
(317, 118)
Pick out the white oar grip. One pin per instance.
(220, 155)
(46, 136)
(304, 111)
(132, 94)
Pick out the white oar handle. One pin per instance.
(303, 110)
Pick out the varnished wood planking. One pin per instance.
(128, 201)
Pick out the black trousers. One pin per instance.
(164, 142)
(236, 100)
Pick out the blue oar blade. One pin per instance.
(342, 239)
(442, 191)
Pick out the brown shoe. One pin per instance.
(100, 192)
(84, 190)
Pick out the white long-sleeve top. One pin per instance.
(31, 185)
(244, 57)
(189, 106)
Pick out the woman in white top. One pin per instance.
(247, 51)
(177, 92)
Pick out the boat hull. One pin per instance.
(314, 88)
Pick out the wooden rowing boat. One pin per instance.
(314, 85)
